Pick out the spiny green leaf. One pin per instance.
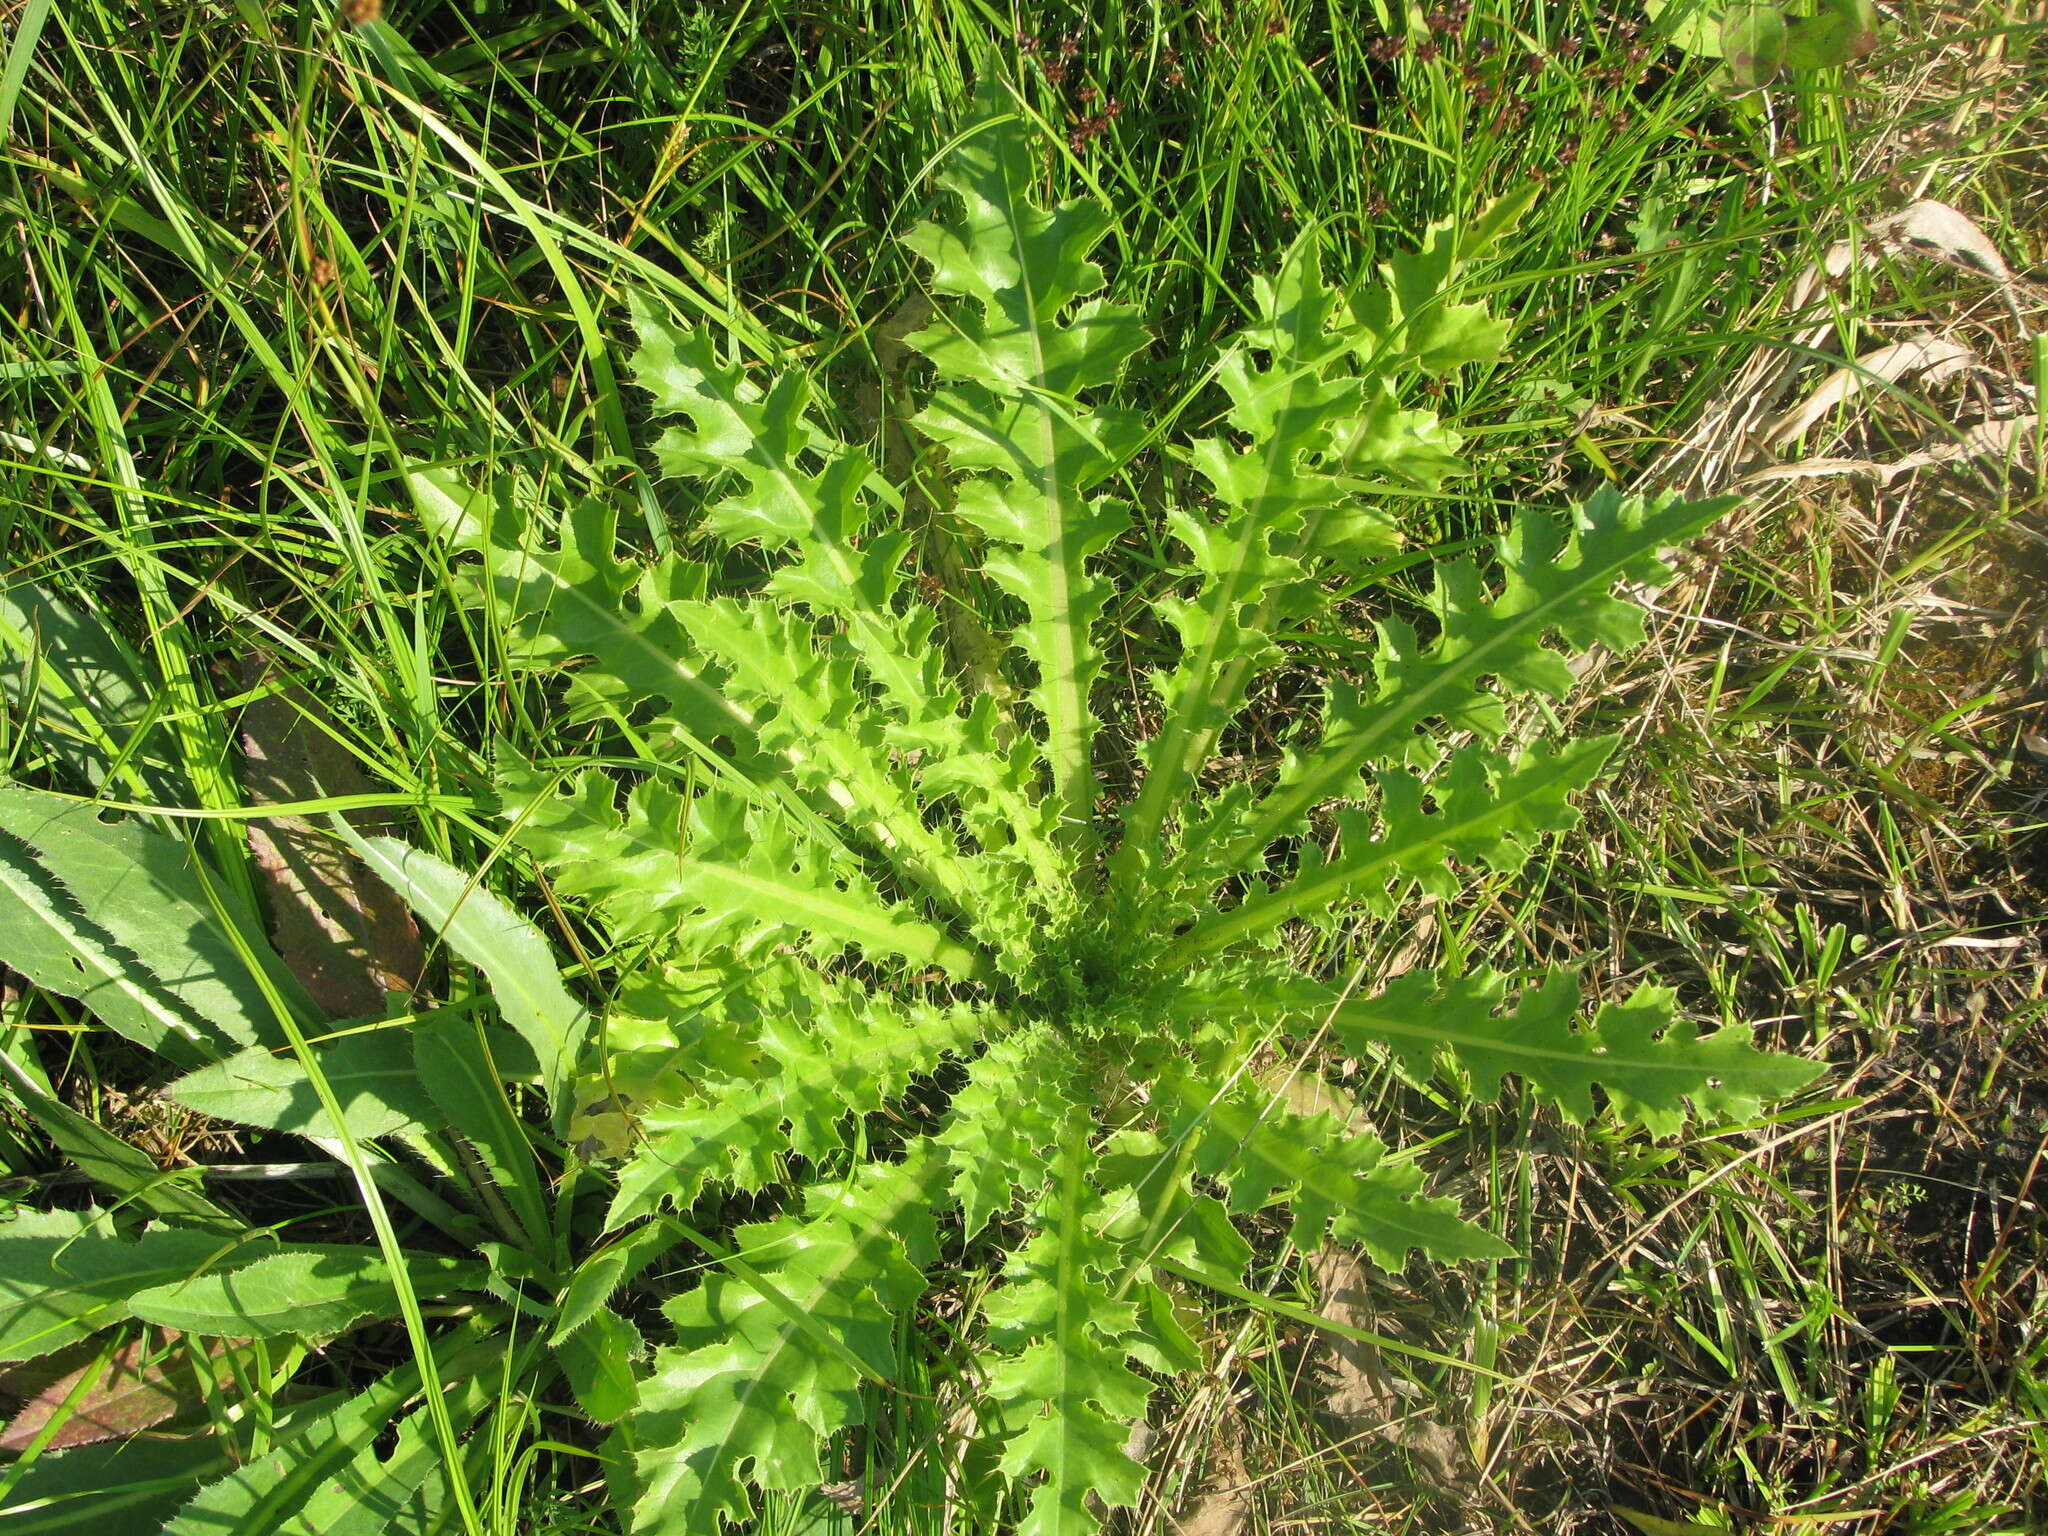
(738, 874)
(1332, 1181)
(1488, 812)
(1649, 1063)
(1552, 584)
(1013, 358)
(747, 1393)
(1412, 313)
(843, 1058)
(1012, 1109)
(1059, 1376)
(560, 593)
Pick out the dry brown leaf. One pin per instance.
(342, 932)
(2000, 439)
(1931, 356)
(1224, 1507)
(1934, 230)
(1731, 439)
(145, 1383)
(1303, 1092)
(1357, 1391)
(2005, 438)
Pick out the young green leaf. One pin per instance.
(500, 943)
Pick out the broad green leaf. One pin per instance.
(84, 689)
(1842, 32)
(395, 1483)
(47, 939)
(313, 1292)
(143, 890)
(1753, 42)
(63, 1276)
(1693, 26)
(113, 1488)
(497, 941)
(372, 1075)
(599, 1360)
(112, 1388)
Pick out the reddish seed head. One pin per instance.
(1112, 109)
(1069, 46)
(1086, 93)
(1567, 46)
(1427, 50)
(1055, 71)
(1027, 44)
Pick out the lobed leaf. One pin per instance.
(1553, 584)
(1489, 811)
(845, 1058)
(1013, 357)
(1648, 1062)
